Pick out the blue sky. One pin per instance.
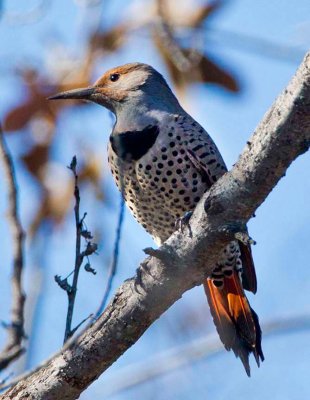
(281, 227)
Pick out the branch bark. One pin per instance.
(183, 262)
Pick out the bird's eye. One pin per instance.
(114, 77)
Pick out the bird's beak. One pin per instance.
(82, 94)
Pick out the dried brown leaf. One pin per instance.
(109, 41)
(18, 117)
(203, 70)
(36, 103)
(36, 159)
(210, 72)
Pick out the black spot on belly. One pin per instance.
(132, 145)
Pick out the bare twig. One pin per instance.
(164, 31)
(13, 348)
(71, 289)
(78, 257)
(113, 267)
(184, 62)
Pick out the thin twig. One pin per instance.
(182, 61)
(13, 348)
(165, 33)
(78, 257)
(113, 266)
(71, 289)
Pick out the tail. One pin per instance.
(237, 324)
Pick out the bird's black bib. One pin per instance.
(132, 145)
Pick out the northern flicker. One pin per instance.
(163, 161)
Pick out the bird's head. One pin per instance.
(133, 84)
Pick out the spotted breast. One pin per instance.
(161, 171)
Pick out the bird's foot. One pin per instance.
(182, 222)
(139, 281)
(244, 238)
(239, 231)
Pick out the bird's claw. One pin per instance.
(139, 281)
(182, 222)
(244, 238)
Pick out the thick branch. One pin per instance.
(13, 348)
(183, 262)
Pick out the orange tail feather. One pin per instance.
(236, 323)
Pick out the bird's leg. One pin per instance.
(180, 223)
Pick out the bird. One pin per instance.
(163, 161)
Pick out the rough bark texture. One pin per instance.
(183, 262)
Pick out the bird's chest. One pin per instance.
(161, 185)
(126, 151)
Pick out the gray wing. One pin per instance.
(202, 152)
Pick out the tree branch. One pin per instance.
(13, 348)
(280, 138)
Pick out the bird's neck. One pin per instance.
(133, 120)
(144, 111)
